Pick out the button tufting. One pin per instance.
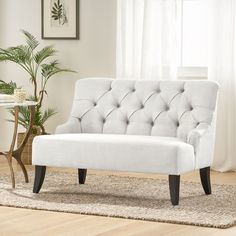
(79, 119)
(95, 104)
(182, 90)
(152, 123)
(177, 123)
(167, 108)
(104, 120)
(127, 122)
(158, 90)
(133, 90)
(142, 106)
(118, 105)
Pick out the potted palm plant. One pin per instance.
(40, 66)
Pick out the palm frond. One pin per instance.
(22, 54)
(54, 63)
(20, 122)
(24, 116)
(52, 68)
(47, 114)
(39, 120)
(58, 70)
(31, 41)
(5, 57)
(44, 53)
(8, 54)
(19, 55)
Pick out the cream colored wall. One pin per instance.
(92, 55)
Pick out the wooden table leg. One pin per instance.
(17, 153)
(9, 161)
(9, 154)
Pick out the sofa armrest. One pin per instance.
(71, 126)
(196, 134)
(202, 140)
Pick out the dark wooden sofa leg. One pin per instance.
(174, 183)
(82, 175)
(39, 178)
(205, 179)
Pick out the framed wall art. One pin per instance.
(60, 19)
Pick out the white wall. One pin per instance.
(92, 55)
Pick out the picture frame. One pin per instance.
(60, 19)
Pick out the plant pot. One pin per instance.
(26, 155)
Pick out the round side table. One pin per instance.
(16, 153)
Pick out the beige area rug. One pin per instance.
(125, 197)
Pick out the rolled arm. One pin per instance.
(202, 139)
(196, 134)
(71, 126)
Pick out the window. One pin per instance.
(146, 38)
(193, 38)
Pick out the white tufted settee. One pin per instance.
(149, 126)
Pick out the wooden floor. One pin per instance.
(18, 222)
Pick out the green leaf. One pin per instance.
(44, 53)
(47, 114)
(30, 40)
(9, 54)
(40, 118)
(7, 88)
(52, 68)
(20, 54)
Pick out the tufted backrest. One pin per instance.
(143, 107)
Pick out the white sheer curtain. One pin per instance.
(147, 48)
(222, 68)
(147, 39)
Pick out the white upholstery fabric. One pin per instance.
(165, 108)
(181, 111)
(115, 152)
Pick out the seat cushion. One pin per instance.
(134, 153)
